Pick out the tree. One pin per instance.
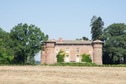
(96, 28)
(83, 38)
(6, 53)
(27, 42)
(114, 50)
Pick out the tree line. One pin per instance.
(21, 44)
(24, 41)
(114, 38)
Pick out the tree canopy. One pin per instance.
(115, 43)
(6, 53)
(83, 38)
(27, 41)
(96, 28)
(21, 44)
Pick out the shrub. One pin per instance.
(86, 58)
(73, 64)
(60, 56)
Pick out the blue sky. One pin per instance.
(69, 19)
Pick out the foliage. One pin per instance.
(27, 41)
(73, 64)
(115, 44)
(87, 64)
(5, 58)
(96, 28)
(60, 56)
(86, 58)
(83, 38)
(6, 53)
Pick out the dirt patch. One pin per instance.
(62, 75)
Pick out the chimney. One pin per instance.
(60, 40)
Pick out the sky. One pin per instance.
(67, 19)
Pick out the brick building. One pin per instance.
(73, 50)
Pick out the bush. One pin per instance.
(60, 56)
(73, 64)
(86, 58)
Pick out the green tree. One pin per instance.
(115, 44)
(6, 53)
(96, 28)
(27, 42)
(83, 38)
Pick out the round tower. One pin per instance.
(97, 52)
(48, 55)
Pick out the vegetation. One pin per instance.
(6, 53)
(73, 64)
(83, 38)
(21, 44)
(115, 44)
(86, 58)
(96, 28)
(87, 64)
(60, 56)
(114, 37)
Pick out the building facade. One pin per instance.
(73, 50)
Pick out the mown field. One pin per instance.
(62, 75)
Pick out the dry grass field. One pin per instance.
(62, 75)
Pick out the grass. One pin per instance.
(84, 64)
(69, 64)
(61, 75)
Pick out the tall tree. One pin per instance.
(6, 53)
(115, 43)
(27, 41)
(96, 28)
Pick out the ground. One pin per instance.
(62, 75)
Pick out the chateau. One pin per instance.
(73, 50)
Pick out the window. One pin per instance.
(67, 55)
(77, 50)
(67, 50)
(90, 51)
(67, 58)
(77, 55)
(57, 51)
(77, 58)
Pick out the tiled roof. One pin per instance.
(74, 42)
(71, 41)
